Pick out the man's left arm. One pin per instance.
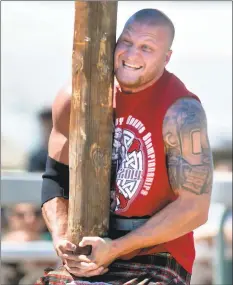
(190, 171)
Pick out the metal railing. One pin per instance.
(26, 187)
(31, 250)
(222, 262)
(18, 187)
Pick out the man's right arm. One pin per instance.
(55, 209)
(55, 201)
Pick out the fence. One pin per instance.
(25, 187)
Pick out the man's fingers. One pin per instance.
(81, 265)
(88, 266)
(88, 241)
(82, 273)
(67, 246)
(95, 272)
(104, 271)
(77, 258)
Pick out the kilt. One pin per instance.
(159, 268)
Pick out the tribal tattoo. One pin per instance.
(189, 157)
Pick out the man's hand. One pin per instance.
(102, 253)
(78, 265)
(63, 246)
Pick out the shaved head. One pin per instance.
(143, 50)
(153, 17)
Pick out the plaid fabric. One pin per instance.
(160, 269)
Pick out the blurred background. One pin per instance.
(36, 50)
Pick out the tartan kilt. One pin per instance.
(149, 269)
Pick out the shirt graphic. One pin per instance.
(133, 159)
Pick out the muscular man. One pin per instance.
(163, 187)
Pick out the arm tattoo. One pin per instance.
(189, 157)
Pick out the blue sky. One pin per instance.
(36, 59)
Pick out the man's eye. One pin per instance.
(146, 48)
(127, 43)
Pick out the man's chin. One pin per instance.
(128, 83)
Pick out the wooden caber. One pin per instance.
(90, 140)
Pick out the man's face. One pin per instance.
(141, 54)
(25, 217)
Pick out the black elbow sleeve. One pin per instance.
(55, 181)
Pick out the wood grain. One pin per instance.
(90, 139)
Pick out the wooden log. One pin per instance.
(90, 139)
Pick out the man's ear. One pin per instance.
(168, 56)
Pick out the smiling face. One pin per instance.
(141, 54)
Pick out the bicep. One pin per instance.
(58, 147)
(189, 157)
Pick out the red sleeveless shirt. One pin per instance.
(142, 183)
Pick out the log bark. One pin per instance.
(90, 139)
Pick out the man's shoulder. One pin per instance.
(186, 105)
(185, 111)
(61, 109)
(62, 100)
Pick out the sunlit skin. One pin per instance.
(141, 54)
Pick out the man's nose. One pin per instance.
(30, 218)
(132, 52)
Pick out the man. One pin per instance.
(24, 223)
(164, 182)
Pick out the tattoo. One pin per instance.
(189, 157)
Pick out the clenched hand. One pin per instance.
(78, 265)
(101, 256)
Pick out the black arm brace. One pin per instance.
(55, 180)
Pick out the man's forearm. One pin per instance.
(173, 221)
(55, 213)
